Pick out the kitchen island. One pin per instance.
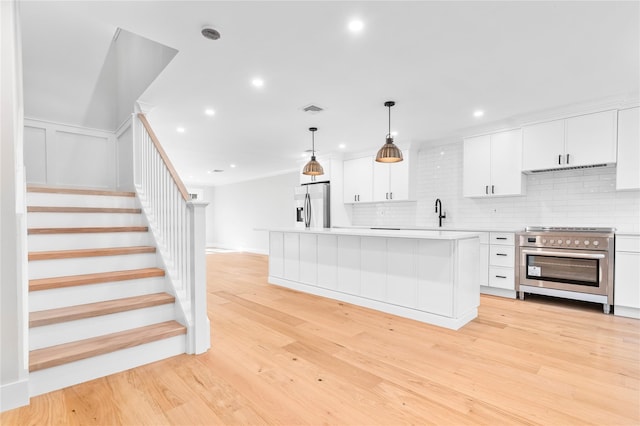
(429, 276)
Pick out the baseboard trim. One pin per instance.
(624, 311)
(502, 292)
(14, 395)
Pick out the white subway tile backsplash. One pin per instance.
(582, 197)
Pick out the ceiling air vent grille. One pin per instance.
(312, 109)
(569, 168)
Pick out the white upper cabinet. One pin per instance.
(492, 165)
(393, 181)
(628, 167)
(584, 140)
(358, 180)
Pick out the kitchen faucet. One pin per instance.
(440, 214)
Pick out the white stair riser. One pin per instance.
(90, 265)
(91, 293)
(57, 334)
(46, 242)
(50, 379)
(73, 200)
(81, 220)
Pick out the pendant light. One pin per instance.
(389, 153)
(313, 168)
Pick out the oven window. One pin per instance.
(564, 270)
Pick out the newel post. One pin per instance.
(200, 337)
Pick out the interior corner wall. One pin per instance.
(124, 161)
(14, 390)
(237, 211)
(57, 154)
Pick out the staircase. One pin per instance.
(99, 302)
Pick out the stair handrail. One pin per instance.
(177, 224)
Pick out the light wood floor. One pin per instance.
(281, 357)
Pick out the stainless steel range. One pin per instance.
(574, 263)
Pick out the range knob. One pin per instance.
(544, 241)
(576, 242)
(552, 241)
(587, 242)
(559, 241)
(568, 242)
(596, 243)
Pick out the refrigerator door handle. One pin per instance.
(307, 210)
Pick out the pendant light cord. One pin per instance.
(389, 134)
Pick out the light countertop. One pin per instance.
(385, 233)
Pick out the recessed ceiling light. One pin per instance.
(257, 82)
(180, 129)
(342, 146)
(233, 166)
(356, 26)
(478, 113)
(209, 112)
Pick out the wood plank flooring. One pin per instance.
(282, 357)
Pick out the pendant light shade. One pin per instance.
(389, 153)
(313, 168)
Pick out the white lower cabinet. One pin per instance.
(308, 259)
(435, 291)
(291, 256)
(484, 259)
(327, 255)
(626, 290)
(402, 265)
(373, 272)
(349, 264)
(276, 254)
(500, 264)
(433, 280)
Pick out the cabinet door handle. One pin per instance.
(493, 189)
(501, 254)
(391, 195)
(355, 198)
(358, 197)
(486, 189)
(567, 158)
(559, 159)
(501, 276)
(386, 195)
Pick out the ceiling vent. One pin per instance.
(312, 109)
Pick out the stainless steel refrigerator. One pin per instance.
(312, 205)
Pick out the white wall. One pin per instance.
(14, 390)
(124, 163)
(236, 210)
(61, 155)
(584, 197)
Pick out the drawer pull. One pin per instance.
(501, 254)
(501, 276)
(501, 238)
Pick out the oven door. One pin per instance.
(579, 271)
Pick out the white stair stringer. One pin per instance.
(178, 288)
(69, 331)
(54, 378)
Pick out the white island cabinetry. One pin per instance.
(429, 276)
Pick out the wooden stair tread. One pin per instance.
(102, 277)
(78, 191)
(86, 230)
(74, 351)
(71, 313)
(55, 209)
(93, 252)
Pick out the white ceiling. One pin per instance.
(439, 61)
